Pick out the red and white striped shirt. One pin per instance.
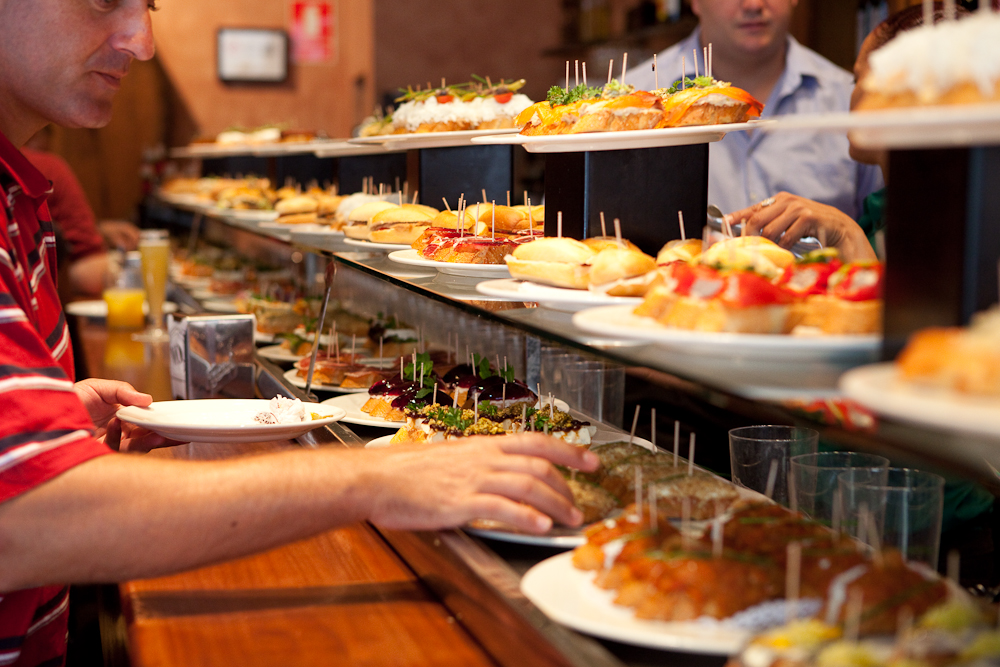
(45, 429)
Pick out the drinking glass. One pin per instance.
(904, 512)
(595, 388)
(123, 293)
(754, 451)
(813, 481)
(154, 246)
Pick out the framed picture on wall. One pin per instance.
(252, 55)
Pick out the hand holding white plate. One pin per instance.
(222, 420)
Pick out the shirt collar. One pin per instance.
(800, 69)
(25, 174)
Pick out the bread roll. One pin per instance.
(679, 251)
(300, 204)
(562, 262)
(621, 272)
(599, 243)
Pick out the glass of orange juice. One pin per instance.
(124, 294)
(154, 247)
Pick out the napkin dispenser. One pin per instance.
(212, 356)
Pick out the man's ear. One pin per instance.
(696, 7)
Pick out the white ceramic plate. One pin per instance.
(620, 322)
(318, 236)
(430, 139)
(377, 247)
(277, 229)
(556, 298)
(413, 258)
(248, 216)
(278, 353)
(879, 388)
(568, 596)
(351, 405)
(616, 141)
(296, 381)
(221, 420)
(917, 127)
(261, 337)
(380, 443)
(98, 308)
(220, 306)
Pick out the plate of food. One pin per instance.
(351, 404)
(430, 139)
(248, 215)
(622, 322)
(642, 580)
(623, 140)
(298, 380)
(220, 306)
(946, 377)
(412, 258)
(231, 420)
(377, 247)
(556, 298)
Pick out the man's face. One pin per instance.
(63, 60)
(746, 26)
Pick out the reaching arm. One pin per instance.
(122, 517)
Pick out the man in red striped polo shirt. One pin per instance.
(71, 510)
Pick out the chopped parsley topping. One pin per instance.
(559, 96)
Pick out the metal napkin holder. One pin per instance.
(212, 356)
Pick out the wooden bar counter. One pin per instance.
(343, 597)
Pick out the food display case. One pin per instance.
(708, 383)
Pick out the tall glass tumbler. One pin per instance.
(904, 513)
(813, 481)
(756, 451)
(154, 246)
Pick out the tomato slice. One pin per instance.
(807, 279)
(503, 98)
(444, 99)
(745, 289)
(859, 281)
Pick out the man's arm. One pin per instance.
(122, 517)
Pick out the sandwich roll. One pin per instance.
(398, 225)
(599, 243)
(562, 262)
(679, 251)
(357, 221)
(621, 272)
(753, 253)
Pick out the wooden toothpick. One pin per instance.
(635, 422)
(656, 75)
(677, 441)
(624, 66)
(604, 231)
(691, 455)
(576, 67)
(559, 224)
(618, 232)
(680, 219)
(446, 204)
(611, 64)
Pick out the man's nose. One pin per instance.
(134, 34)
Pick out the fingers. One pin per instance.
(780, 228)
(138, 439)
(529, 490)
(538, 469)
(547, 447)
(521, 517)
(126, 394)
(113, 434)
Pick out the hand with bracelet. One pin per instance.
(786, 218)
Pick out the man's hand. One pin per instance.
(102, 398)
(789, 218)
(507, 479)
(119, 234)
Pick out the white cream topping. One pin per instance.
(413, 114)
(930, 61)
(282, 410)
